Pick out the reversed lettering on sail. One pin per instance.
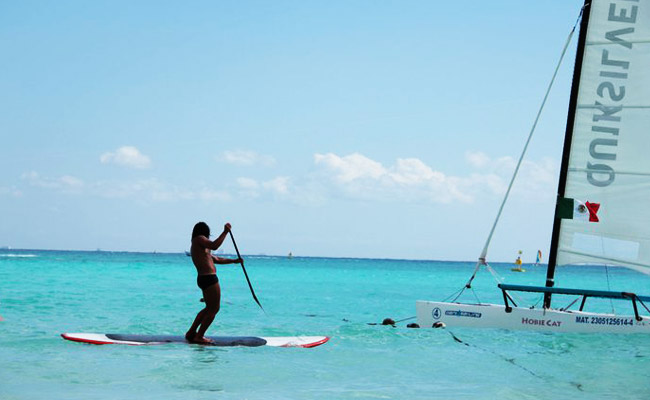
(609, 159)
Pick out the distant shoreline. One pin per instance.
(294, 257)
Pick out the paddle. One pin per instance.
(245, 274)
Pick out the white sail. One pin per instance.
(609, 159)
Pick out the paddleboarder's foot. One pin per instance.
(189, 336)
(202, 340)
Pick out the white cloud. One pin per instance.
(477, 159)
(65, 182)
(10, 191)
(534, 178)
(71, 181)
(252, 188)
(151, 189)
(279, 185)
(156, 191)
(213, 195)
(246, 158)
(126, 156)
(412, 171)
(354, 176)
(410, 179)
(351, 167)
(248, 187)
(247, 183)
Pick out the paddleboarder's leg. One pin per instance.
(212, 296)
(191, 333)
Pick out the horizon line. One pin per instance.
(7, 248)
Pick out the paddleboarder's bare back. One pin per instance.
(207, 278)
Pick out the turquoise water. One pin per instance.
(49, 293)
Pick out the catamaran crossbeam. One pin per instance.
(579, 292)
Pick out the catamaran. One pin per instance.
(600, 219)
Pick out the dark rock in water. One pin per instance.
(412, 325)
(388, 321)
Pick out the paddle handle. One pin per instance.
(236, 249)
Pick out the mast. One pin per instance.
(568, 135)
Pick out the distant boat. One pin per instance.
(290, 255)
(518, 263)
(187, 253)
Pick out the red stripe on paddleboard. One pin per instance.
(76, 339)
(91, 341)
(314, 344)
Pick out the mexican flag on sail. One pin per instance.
(576, 209)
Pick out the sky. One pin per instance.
(376, 129)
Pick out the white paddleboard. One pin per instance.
(249, 341)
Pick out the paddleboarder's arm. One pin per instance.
(219, 260)
(215, 244)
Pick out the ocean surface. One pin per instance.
(46, 293)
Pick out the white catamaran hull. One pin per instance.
(495, 316)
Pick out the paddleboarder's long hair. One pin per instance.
(201, 228)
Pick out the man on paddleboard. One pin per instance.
(207, 278)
